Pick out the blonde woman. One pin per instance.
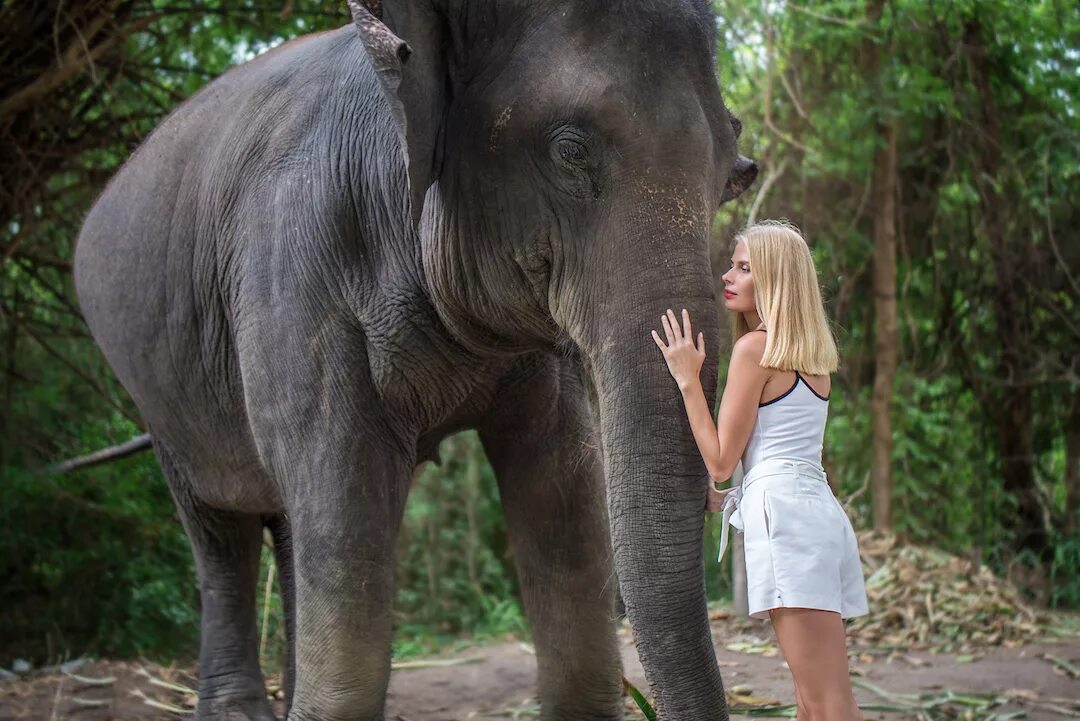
(802, 558)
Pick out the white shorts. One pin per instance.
(801, 550)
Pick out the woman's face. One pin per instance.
(738, 282)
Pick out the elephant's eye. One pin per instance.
(573, 160)
(572, 151)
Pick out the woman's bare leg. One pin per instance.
(814, 646)
(801, 713)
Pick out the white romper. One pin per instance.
(801, 550)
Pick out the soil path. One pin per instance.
(501, 684)
(500, 681)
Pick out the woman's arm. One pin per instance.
(739, 405)
(720, 447)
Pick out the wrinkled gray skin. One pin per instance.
(339, 253)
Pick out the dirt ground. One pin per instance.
(498, 681)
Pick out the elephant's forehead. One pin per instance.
(603, 80)
(620, 43)
(642, 25)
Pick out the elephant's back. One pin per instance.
(176, 209)
(157, 258)
(215, 143)
(187, 181)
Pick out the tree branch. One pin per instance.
(112, 453)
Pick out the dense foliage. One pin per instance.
(982, 99)
(985, 413)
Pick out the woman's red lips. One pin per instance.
(729, 294)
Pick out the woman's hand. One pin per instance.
(684, 358)
(715, 502)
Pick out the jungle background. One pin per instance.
(927, 148)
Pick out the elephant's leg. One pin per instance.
(279, 529)
(552, 487)
(343, 466)
(344, 516)
(226, 547)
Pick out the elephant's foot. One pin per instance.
(248, 703)
(296, 713)
(245, 707)
(568, 712)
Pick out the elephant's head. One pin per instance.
(565, 160)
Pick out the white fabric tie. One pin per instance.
(732, 516)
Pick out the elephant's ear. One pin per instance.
(405, 41)
(743, 174)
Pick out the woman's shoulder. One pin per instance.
(749, 346)
(751, 343)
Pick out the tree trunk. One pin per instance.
(886, 334)
(1072, 466)
(1012, 412)
(9, 378)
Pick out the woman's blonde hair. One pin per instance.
(788, 300)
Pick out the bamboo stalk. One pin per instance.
(89, 702)
(88, 681)
(266, 609)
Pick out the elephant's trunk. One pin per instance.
(656, 482)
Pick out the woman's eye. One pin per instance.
(572, 151)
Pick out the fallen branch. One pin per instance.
(435, 663)
(155, 681)
(940, 705)
(112, 453)
(1070, 670)
(88, 681)
(56, 699)
(159, 705)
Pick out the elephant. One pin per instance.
(443, 215)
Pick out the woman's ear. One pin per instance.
(405, 41)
